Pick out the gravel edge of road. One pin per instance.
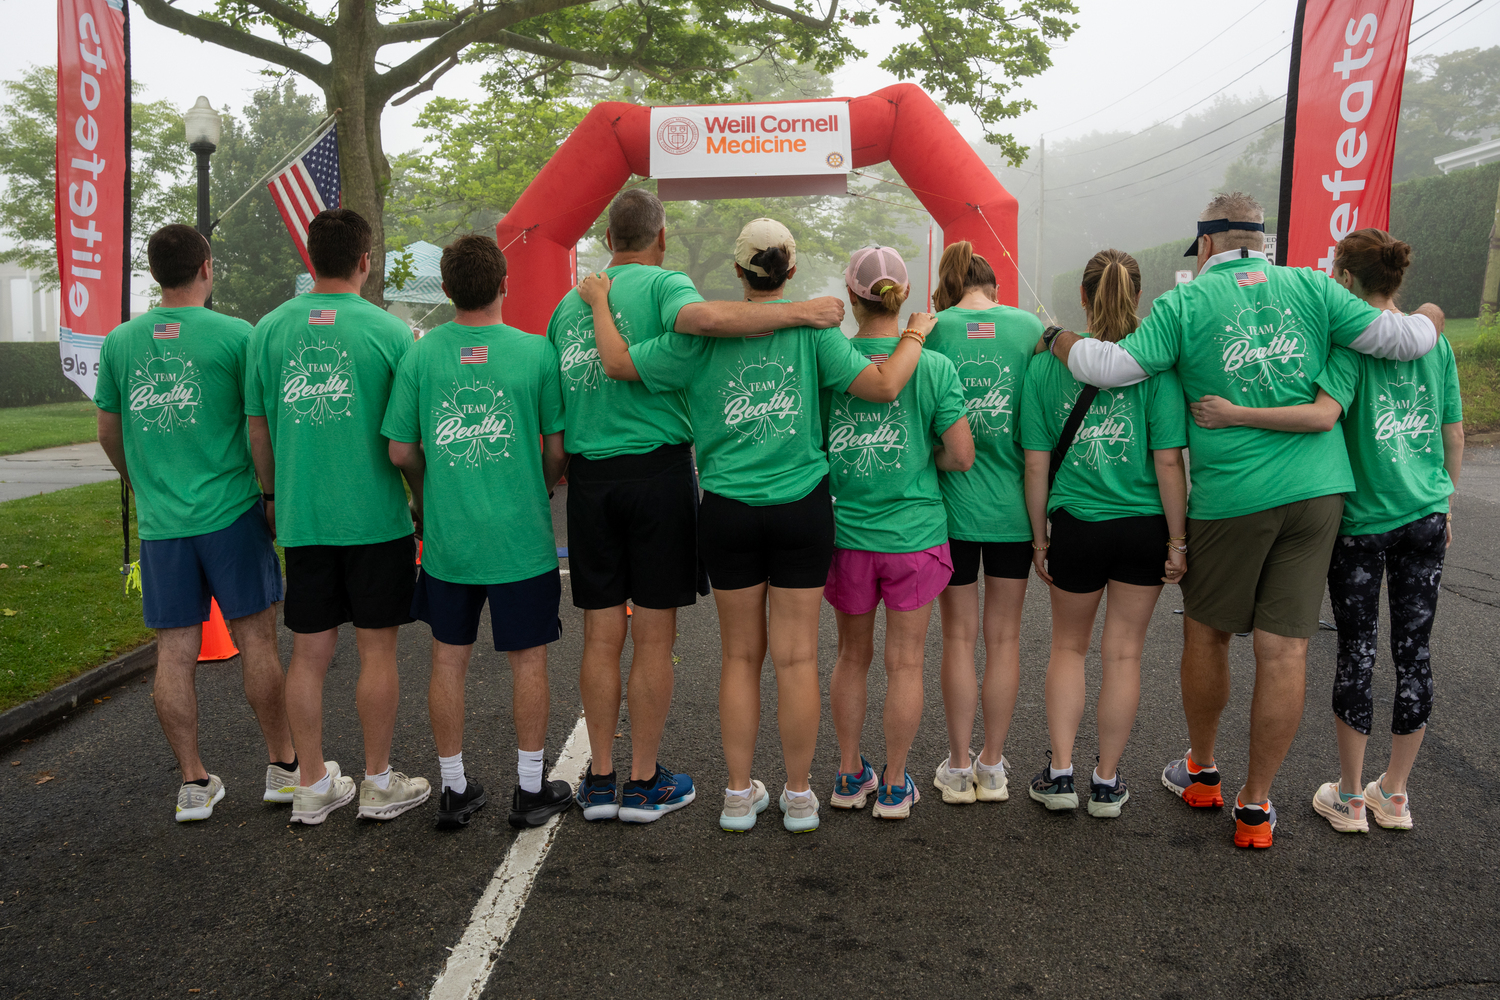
(56, 705)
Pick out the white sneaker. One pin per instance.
(311, 808)
(957, 787)
(1344, 815)
(1391, 812)
(992, 786)
(739, 812)
(401, 794)
(280, 783)
(799, 814)
(195, 802)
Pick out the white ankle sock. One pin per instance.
(742, 792)
(1054, 772)
(529, 769)
(991, 768)
(452, 769)
(959, 770)
(798, 795)
(382, 780)
(322, 785)
(1112, 782)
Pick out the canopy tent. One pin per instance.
(425, 285)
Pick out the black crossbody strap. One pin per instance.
(1070, 431)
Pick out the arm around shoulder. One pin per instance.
(1400, 337)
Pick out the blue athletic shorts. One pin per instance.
(522, 614)
(236, 566)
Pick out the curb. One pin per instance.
(57, 704)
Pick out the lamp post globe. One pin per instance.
(204, 128)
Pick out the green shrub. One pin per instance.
(31, 374)
(1159, 267)
(1447, 221)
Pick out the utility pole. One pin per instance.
(1041, 212)
(1489, 298)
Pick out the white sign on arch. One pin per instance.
(798, 148)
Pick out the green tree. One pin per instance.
(1448, 102)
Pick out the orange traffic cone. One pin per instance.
(419, 551)
(216, 642)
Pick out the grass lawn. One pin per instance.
(69, 613)
(26, 428)
(1461, 332)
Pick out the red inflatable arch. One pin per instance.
(899, 123)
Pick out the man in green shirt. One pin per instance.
(470, 400)
(171, 419)
(318, 378)
(1265, 505)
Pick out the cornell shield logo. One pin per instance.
(677, 135)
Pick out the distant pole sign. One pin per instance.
(1183, 277)
(751, 150)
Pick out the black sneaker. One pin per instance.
(455, 809)
(1106, 800)
(1054, 793)
(536, 808)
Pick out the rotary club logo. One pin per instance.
(835, 160)
(677, 135)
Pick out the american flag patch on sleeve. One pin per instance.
(473, 355)
(1247, 278)
(166, 331)
(981, 331)
(321, 317)
(878, 359)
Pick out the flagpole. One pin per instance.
(1289, 139)
(297, 150)
(125, 253)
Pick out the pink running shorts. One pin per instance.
(859, 580)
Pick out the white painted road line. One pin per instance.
(469, 965)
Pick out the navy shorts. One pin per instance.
(235, 566)
(523, 614)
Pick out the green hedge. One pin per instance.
(1159, 267)
(31, 374)
(1447, 221)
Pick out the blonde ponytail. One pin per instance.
(1112, 285)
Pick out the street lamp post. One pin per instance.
(204, 128)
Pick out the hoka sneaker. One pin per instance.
(400, 795)
(738, 815)
(598, 797)
(1105, 800)
(850, 790)
(895, 802)
(1197, 786)
(1254, 824)
(311, 808)
(1346, 815)
(648, 801)
(1391, 812)
(195, 802)
(800, 814)
(957, 787)
(1054, 793)
(280, 783)
(992, 786)
(536, 808)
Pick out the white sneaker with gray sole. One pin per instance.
(311, 808)
(280, 783)
(401, 794)
(195, 802)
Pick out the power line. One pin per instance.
(1431, 12)
(1179, 166)
(1435, 27)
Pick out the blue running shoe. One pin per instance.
(598, 796)
(648, 801)
(851, 790)
(893, 802)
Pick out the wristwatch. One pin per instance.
(268, 497)
(1049, 335)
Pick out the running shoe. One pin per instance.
(280, 783)
(739, 812)
(1105, 800)
(956, 786)
(851, 789)
(893, 802)
(648, 801)
(992, 785)
(535, 808)
(1197, 786)
(1054, 793)
(312, 808)
(598, 796)
(1391, 812)
(397, 797)
(800, 814)
(195, 801)
(1254, 824)
(1344, 815)
(455, 809)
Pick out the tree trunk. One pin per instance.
(1489, 297)
(364, 171)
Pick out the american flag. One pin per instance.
(752, 336)
(166, 331)
(473, 355)
(309, 185)
(878, 359)
(981, 331)
(1247, 278)
(321, 317)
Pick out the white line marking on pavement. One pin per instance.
(467, 971)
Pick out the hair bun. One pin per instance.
(1396, 254)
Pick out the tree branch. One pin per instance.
(294, 17)
(427, 84)
(218, 33)
(798, 16)
(540, 47)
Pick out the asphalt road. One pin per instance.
(103, 895)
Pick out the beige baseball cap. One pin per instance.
(763, 234)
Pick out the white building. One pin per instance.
(27, 312)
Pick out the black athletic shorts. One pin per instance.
(1085, 555)
(369, 585)
(786, 544)
(523, 614)
(1006, 560)
(633, 530)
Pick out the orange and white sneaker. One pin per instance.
(1346, 814)
(1391, 812)
(1254, 824)
(1197, 786)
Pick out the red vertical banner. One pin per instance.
(1345, 101)
(91, 179)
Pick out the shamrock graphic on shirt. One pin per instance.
(1405, 416)
(578, 355)
(866, 438)
(473, 424)
(1105, 437)
(1262, 347)
(317, 382)
(762, 399)
(164, 391)
(989, 392)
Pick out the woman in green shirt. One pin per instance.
(765, 529)
(1118, 508)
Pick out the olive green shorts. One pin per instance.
(1265, 570)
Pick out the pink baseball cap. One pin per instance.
(871, 267)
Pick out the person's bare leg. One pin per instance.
(377, 694)
(742, 631)
(849, 691)
(176, 697)
(1127, 615)
(1352, 745)
(1275, 708)
(1403, 756)
(794, 655)
(599, 682)
(311, 654)
(531, 699)
(445, 696)
(905, 651)
(1205, 686)
(1003, 601)
(1072, 631)
(652, 633)
(958, 613)
(265, 683)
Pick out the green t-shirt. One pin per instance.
(754, 405)
(320, 370)
(1107, 471)
(882, 475)
(1257, 335)
(1393, 417)
(607, 417)
(990, 348)
(176, 376)
(477, 398)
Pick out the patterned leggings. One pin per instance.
(1411, 557)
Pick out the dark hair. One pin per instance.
(175, 253)
(473, 267)
(1376, 259)
(635, 217)
(1112, 282)
(336, 240)
(776, 262)
(959, 270)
